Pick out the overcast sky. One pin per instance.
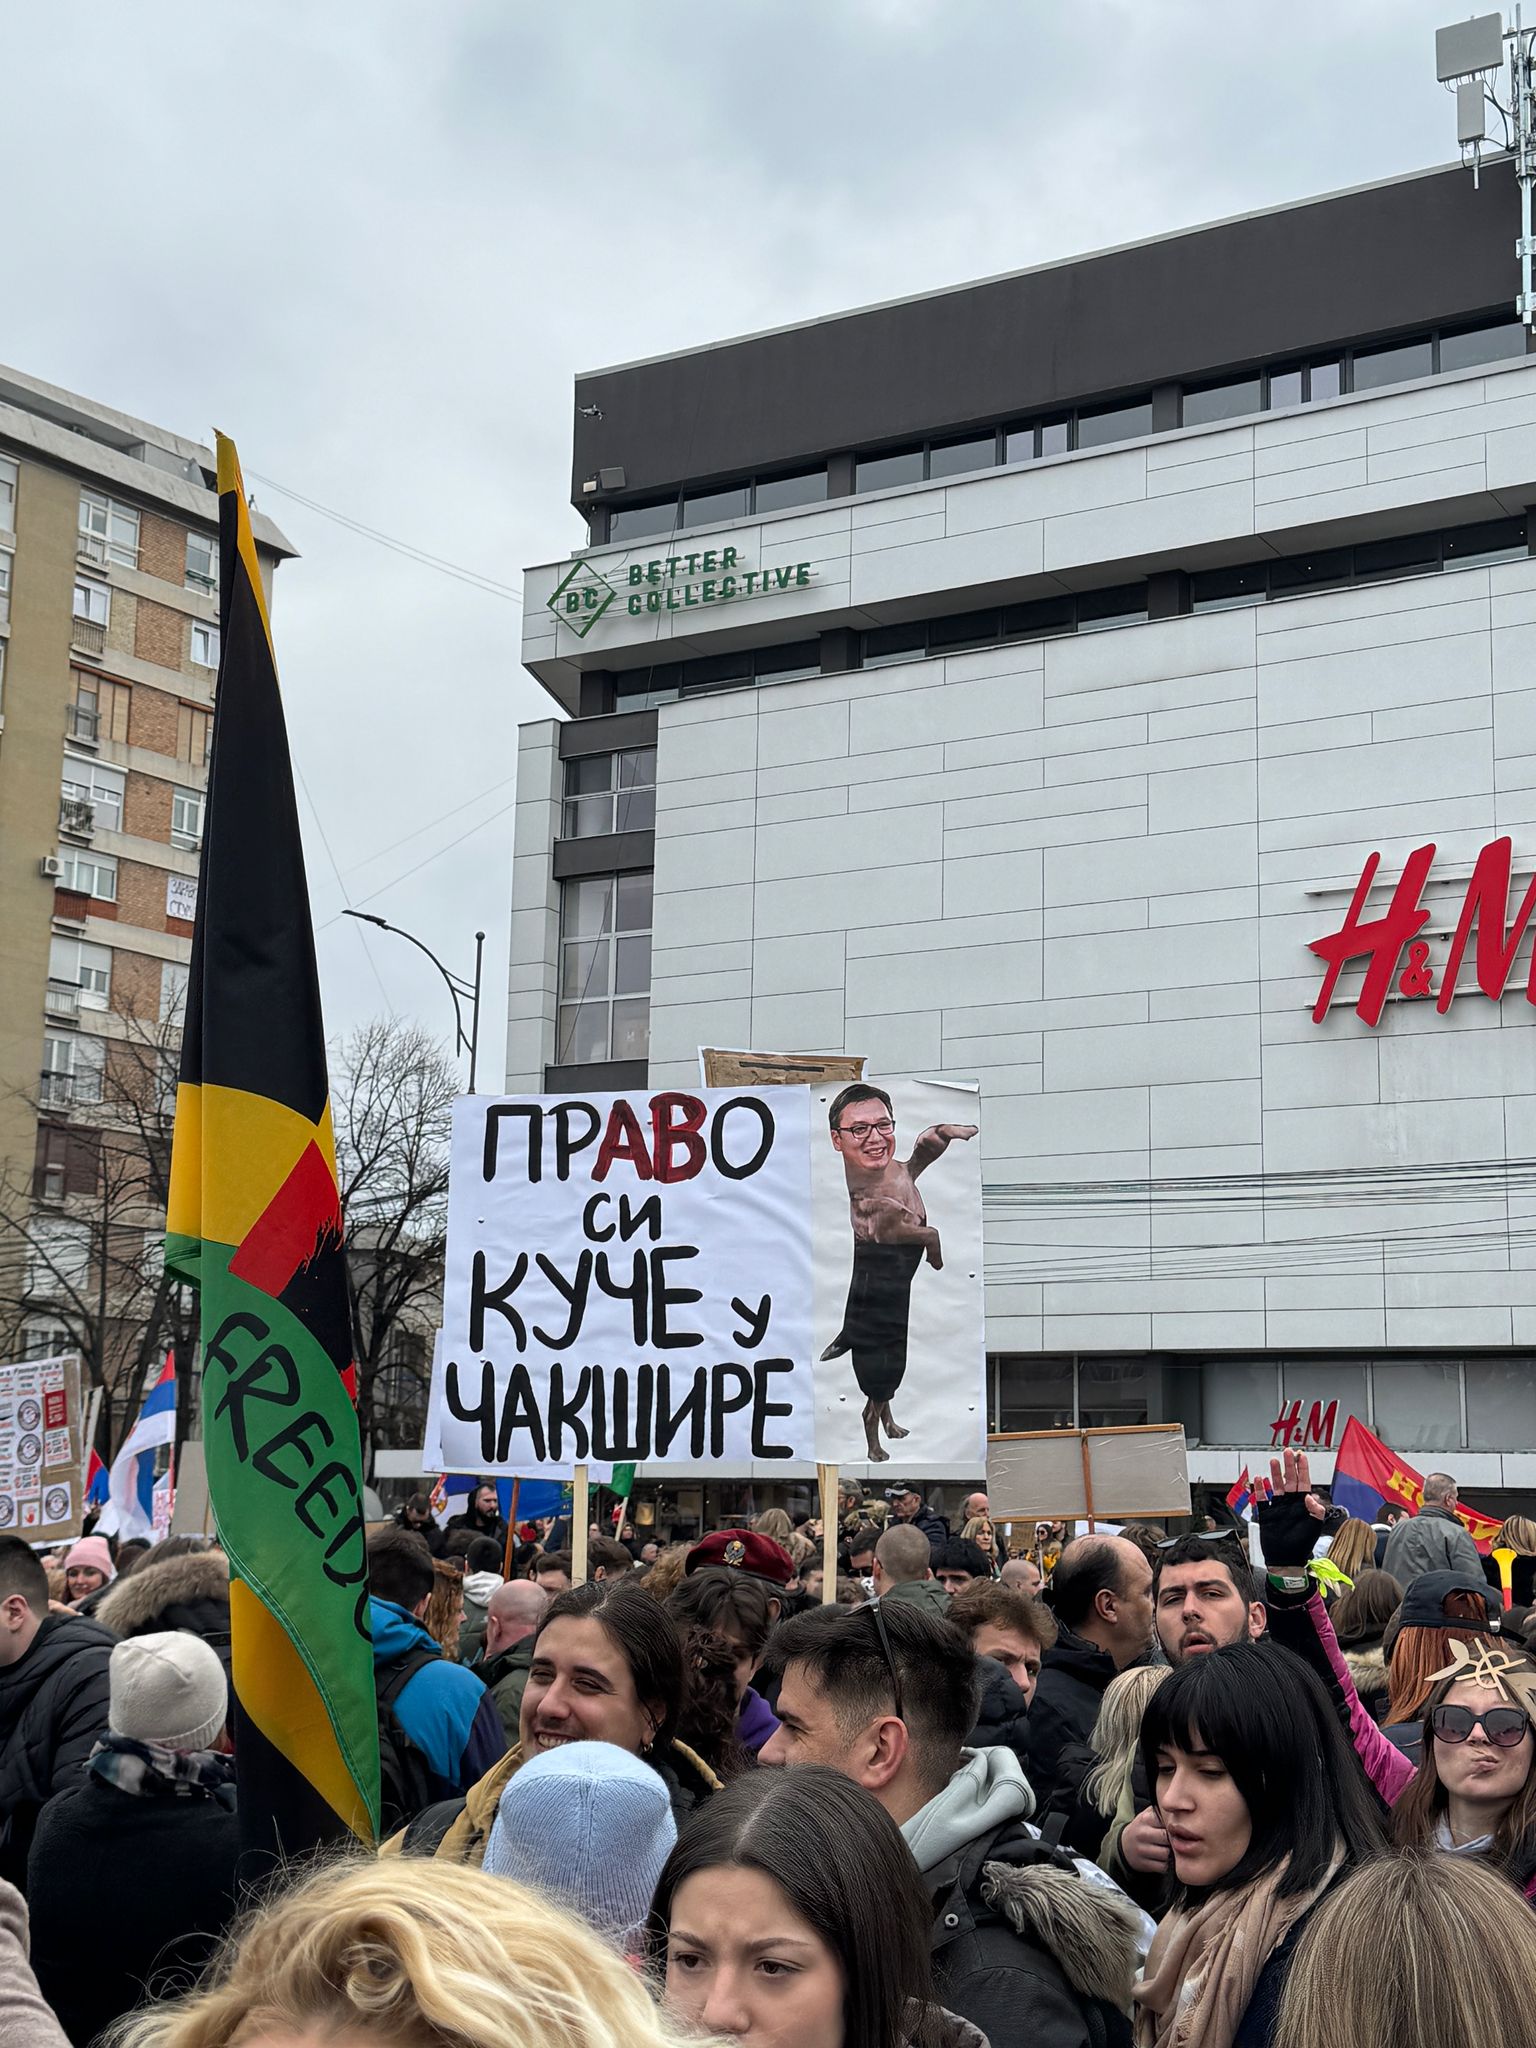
(375, 241)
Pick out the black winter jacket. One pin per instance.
(190, 1592)
(1074, 1675)
(53, 1706)
(1002, 1712)
(1024, 1947)
(933, 1526)
(129, 1897)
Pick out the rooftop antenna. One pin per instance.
(1469, 56)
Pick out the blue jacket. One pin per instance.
(444, 1709)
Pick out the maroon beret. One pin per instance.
(741, 1550)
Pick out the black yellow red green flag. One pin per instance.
(254, 1221)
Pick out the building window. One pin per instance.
(885, 472)
(41, 1339)
(643, 522)
(959, 458)
(710, 508)
(605, 968)
(173, 992)
(100, 708)
(1473, 345)
(202, 562)
(194, 730)
(205, 645)
(1036, 1393)
(1373, 561)
(1399, 364)
(783, 493)
(78, 964)
(73, 1067)
(610, 793)
(5, 587)
(93, 603)
(2, 678)
(109, 531)
(67, 1162)
(187, 818)
(89, 874)
(92, 795)
(1223, 401)
(8, 475)
(1114, 423)
(60, 1257)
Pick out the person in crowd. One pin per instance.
(505, 1656)
(607, 1559)
(1115, 1786)
(1264, 1807)
(979, 1530)
(1205, 1595)
(1418, 1951)
(174, 1588)
(774, 1523)
(975, 1508)
(904, 1569)
(906, 1504)
(1148, 1537)
(1436, 1609)
(650, 1550)
(668, 1572)
(1433, 1540)
(442, 1709)
(393, 1954)
(443, 1618)
(416, 1513)
(142, 1849)
(762, 1930)
(552, 1571)
(482, 1515)
(26, 2018)
(959, 1564)
(1024, 1573)
(1360, 1618)
(607, 1666)
(590, 1826)
(1516, 1533)
(886, 1695)
(1353, 1547)
(482, 1575)
(736, 1608)
(850, 1504)
(1011, 1627)
(53, 1699)
(130, 1554)
(1101, 1595)
(862, 1538)
(88, 1571)
(745, 1551)
(1474, 1792)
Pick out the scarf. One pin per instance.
(1205, 1962)
(148, 1770)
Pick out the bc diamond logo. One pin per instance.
(580, 598)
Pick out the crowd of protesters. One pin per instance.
(1117, 1790)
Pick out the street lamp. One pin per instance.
(458, 987)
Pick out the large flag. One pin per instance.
(130, 1504)
(254, 1220)
(1367, 1477)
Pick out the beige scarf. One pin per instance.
(1203, 1964)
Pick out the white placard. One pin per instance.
(628, 1278)
(181, 896)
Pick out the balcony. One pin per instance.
(84, 720)
(88, 636)
(62, 999)
(58, 1091)
(77, 817)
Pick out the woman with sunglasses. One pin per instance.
(1474, 1793)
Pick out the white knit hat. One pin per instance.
(168, 1689)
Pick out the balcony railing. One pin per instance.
(62, 999)
(77, 815)
(89, 635)
(84, 720)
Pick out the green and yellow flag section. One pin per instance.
(254, 1221)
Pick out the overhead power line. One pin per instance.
(457, 570)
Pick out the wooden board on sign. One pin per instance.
(41, 1495)
(768, 1069)
(1106, 1475)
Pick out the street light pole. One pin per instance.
(458, 988)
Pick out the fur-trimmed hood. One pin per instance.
(1368, 1668)
(137, 1605)
(1091, 1933)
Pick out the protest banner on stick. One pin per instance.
(580, 1510)
(826, 1478)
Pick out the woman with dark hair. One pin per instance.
(607, 1667)
(1264, 1807)
(728, 1613)
(1360, 1617)
(1474, 1793)
(791, 1915)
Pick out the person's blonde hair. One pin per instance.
(1353, 1546)
(668, 1572)
(411, 1952)
(1117, 1735)
(1424, 1950)
(775, 1523)
(979, 1525)
(1517, 1533)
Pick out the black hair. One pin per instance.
(399, 1566)
(557, 1560)
(839, 1859)
(960, 1556)
(1087, 1567)
(1267, 1717)
(726, 1601)
(483, 1555)
(842, 1652)
(859, 1091)
(1196, 1550)
(645, 1635)
(21, 1572)
(612, 1555)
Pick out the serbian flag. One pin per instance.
(1367, 1477)
(254, 1221)
(97, 1481)
(130, 1508)
(1241, 1494)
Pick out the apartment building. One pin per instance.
(1013, 683)
(109, 648)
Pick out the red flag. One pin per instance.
(1369, 1476)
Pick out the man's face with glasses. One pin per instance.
(865, 1134)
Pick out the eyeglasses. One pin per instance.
(889, 1656)
(1503, 1726)
(862, 1133)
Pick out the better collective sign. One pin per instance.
(1383, 940)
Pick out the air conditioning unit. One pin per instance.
(50, 867)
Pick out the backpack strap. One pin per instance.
(390, 1680)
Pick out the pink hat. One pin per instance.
(92, 1551)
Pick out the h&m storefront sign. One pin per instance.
(1397, 960)
(704, 577)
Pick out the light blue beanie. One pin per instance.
(589, 1824)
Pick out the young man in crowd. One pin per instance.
(960, 1564)
(1101, 1595)
(1007, 1626)
(441, 1708)
(904, 1571)
(552, 1571)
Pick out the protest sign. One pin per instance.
(40, 1490)
(628, 1277)
(899, 1325)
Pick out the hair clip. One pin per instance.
(1494, 1669)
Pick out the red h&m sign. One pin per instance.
(1380, 940)
(1316, 1433)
